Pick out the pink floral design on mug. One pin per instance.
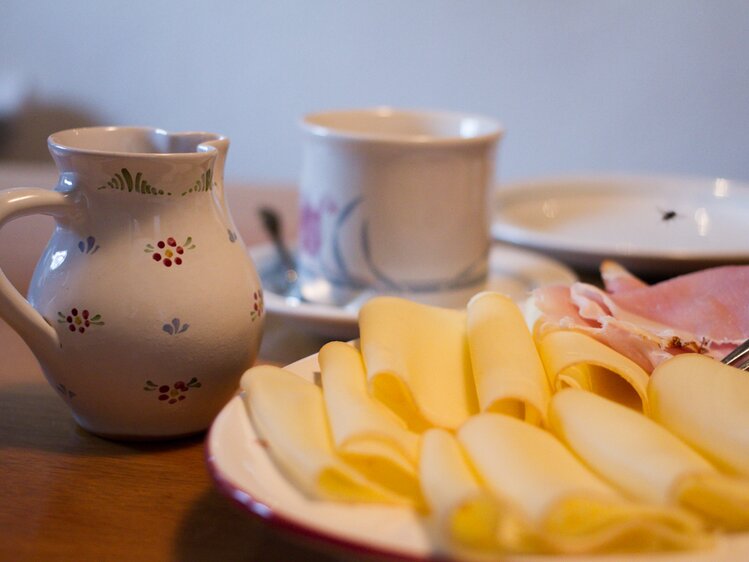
(311, 224)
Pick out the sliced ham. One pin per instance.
(712, 304)
(616, 279)
(704, 312)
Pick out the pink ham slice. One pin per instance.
(704, 312)
(616, 279)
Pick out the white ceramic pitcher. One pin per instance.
(144, 309)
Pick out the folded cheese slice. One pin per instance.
(365, 432)
(706, 403)
(572, 509)
(289, 415)
(417, 361)
(576, 360)
(645, 460)
(509, 375)
(467, 518)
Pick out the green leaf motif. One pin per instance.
(124, 181)
(203, 183)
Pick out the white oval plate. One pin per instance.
(243, 471)
(512, 271)
(653, 225)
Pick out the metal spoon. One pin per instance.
(288, 284)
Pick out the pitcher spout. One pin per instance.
(221, 146)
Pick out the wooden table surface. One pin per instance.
(68, 495)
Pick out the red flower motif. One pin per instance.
(258, 305)
(171, 252)
(174, 393)
(79, 321)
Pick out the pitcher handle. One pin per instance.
(41, 337)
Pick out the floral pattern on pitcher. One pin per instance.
(203, 183)
(175, 327)
(258, 305)
(172, 394)
(124, 181)
(88, 246)
(67, 394)
(79, 320)
(168, 252)
(97, 309)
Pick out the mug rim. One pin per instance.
(320, 124)
(59, 141)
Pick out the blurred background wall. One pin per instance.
(615, 85)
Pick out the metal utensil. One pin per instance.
(739, 357)
(285, 280)
(287, 283)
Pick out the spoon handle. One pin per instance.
(272, 225)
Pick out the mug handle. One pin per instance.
(40, 336)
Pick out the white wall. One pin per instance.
(631, 85)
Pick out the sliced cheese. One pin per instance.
(645, 460)
(289, 414)
(576, 360)
(572, 508)
(468, 518)
(417, 361)
(706, 403)
(365, 432)
(510, 377)
(624, 447)
(721, 499)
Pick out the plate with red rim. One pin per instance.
(654, 225)
(243, 470)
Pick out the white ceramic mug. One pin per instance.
(395, 201)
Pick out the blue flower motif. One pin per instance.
(66, 392)
(175, 327)
(88, 246)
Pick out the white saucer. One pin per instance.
(512, 271)
(653, 225)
